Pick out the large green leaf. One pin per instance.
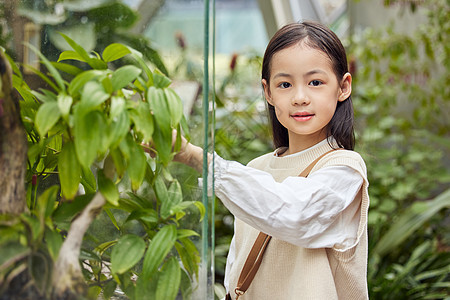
(68, 68)
(108, 291)
(119, 161)
(175, 106)
(66, 211)
(135, 202)
(69, 171)
(143, 120)
(125, 147)
(137, 165)
(40, 267)
(409, 221)
(185, 257)
(162, 140)
(45, 96)
(12, 231)
(37, 230)
(147, 215)
(118, 105)
(158, 105)
(93, 95)
(174, 197)
(179, 208)
(146, 288)
(160, 81)
(169, 280)
(70, 54)
(115, 51)
(112, 217)
(107, 85)
(160, 189)
(89, 132)
(100, 249)
(25, 93)
(158, 249)
(126, 253)
(78, 83)
(108, 188)
(64, 104)
(47, 116)
(183, 233)
(47, 202)
(139, 58)
(189, 255)
(54, 241)
(88, 180)
(95, 63)
(162, 135)
(123, 76)
(118, 129)
(186, 286)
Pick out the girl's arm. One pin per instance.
(190, 154)
(315, 212)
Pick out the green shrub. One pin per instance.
(402, 100)
(88, 129)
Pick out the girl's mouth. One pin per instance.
(302, 116)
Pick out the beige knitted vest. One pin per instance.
(292, 272)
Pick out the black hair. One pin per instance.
(317, 36)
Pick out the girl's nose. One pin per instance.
(300, 98)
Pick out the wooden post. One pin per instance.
(13, 146)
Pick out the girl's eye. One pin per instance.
(315, 83)
(285, 85)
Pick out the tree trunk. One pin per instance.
(13, 146)
(68, 282)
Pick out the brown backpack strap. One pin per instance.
(255, 256)
(252, 263)
(308, 169)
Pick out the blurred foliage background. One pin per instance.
(402, 105)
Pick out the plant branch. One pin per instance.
(67, 276)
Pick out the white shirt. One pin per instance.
(313, 212)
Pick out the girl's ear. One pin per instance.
(267, 91)
(346, 87)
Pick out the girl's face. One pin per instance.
(304, 91)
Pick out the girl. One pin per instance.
(318, 248)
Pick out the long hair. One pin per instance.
(319, 37)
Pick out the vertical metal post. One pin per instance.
(205, 131)
(213, 140)
(207, 267)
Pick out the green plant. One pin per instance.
(86, 136)
(421, 273)
(401, 101)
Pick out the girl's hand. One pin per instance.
(189, 154)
